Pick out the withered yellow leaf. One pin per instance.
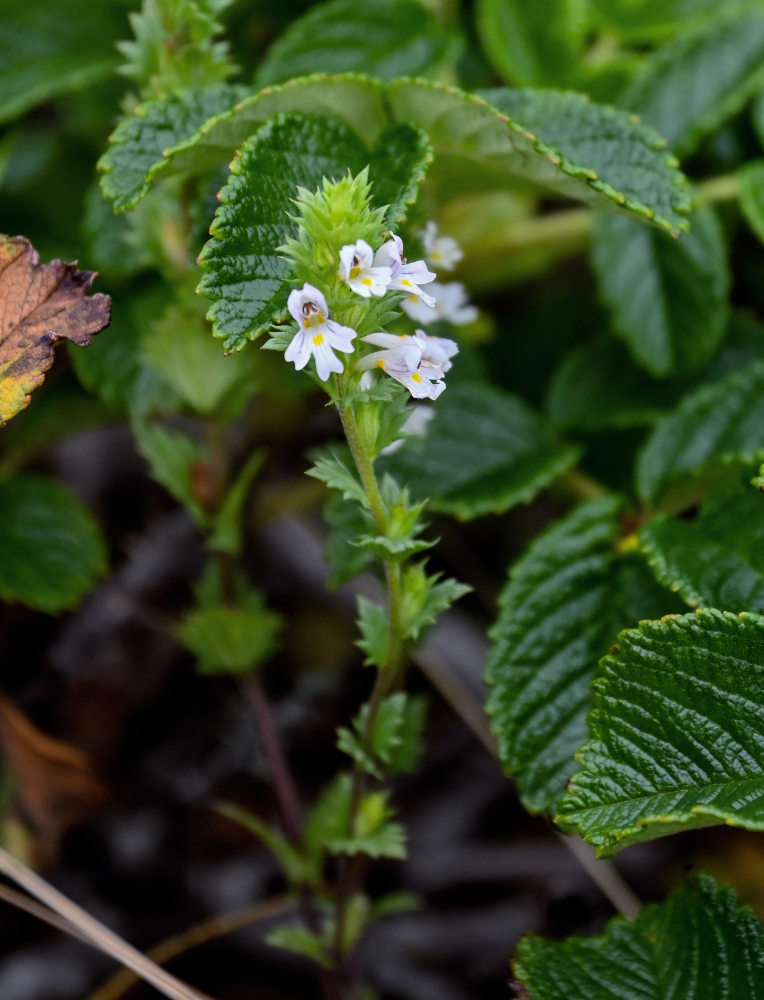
(40, 304)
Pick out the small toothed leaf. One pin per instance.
(718, 425)
(676, 732)
(136, 151)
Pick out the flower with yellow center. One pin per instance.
(359, 272)
(318, 335)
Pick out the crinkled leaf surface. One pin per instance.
(702, 570)
(244, 273)
(700, 944)
(49, 49)
(385, 38)
(52, 549)
(483, 452)
(137, 145)
(677, 732)
(563, 606)
(668, 298)
(690, 86)
(717, 425)
(584, 150)
(39, 304)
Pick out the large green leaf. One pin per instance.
(384, 38)
(717, 425)
(51, 549)
(690, 86)
(668, 298)
(677, 732)
(702, 570)
(483, 452)
(700, 944)
(587, 151)
(137, 146)
(49, 49)
(533, 44)
(244, 272)
(565, 602)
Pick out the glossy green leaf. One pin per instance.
(703, 571)
(47, 50)
(587, 151)
(676, 732)
(700, 944)
(533, 44)
(668, 298)
(690, 86)
(384, 38)
(483, 452)
(717, 425)
(566, 599)
(244, 270)
(52, 548)
(137, 146)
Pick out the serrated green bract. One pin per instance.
(676, 732)
(244, 266)
(394, 743)
(668, 298)
(533, 44)
(483, 452)
(424, 597)
(566, 131)
(138, 144)
(690, 86)
(52, 548)
(47, 50)
(334, 466)
(717, 425)
(566, 599)
(375, 833)
(702, 570)
(228, 640)
(700, 944)
(384, 38)
(374, 626)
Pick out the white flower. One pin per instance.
(451, 305)
(415, 426)
(442, 252)
(418, 363)
(405, 276)
(360, 271)
(318, 334)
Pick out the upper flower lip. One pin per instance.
(360, 272)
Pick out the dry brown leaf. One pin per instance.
(57, 783)
(39, 304)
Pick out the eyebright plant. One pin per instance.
(440, 346)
